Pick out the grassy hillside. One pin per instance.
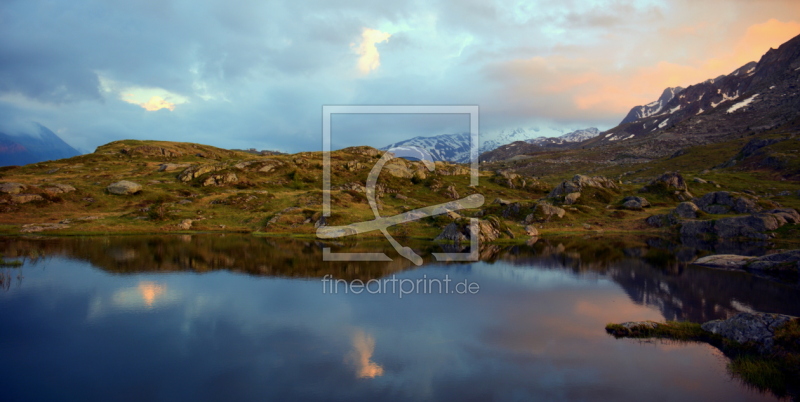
(223, 190)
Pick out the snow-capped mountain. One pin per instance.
(575, 136)
(674, 107)
(652, 108)
(563, 141)
(455, 147)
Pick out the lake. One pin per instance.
(239, 317)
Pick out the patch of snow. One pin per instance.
(750, 71)
(772, 87)
(742, 104)
(663, 123)
(725, 98)
(700, 111)
(651, 104)
(675, 109)
(629, 137)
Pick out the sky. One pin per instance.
(254, 73)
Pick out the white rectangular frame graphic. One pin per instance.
(328, 110)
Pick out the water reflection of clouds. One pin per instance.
(361, 356)
(146, 295)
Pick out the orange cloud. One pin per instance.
(618, 93)
(361, 356)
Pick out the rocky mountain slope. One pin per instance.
(31, 147)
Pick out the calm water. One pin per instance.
(245, 318)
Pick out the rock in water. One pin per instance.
(723, 261)
(746, 327)
(124, 187)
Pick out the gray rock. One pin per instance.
(124, 187)
(193, 172)
(531, 230)
(451, 192)
(580, 182)
(749, 226)
(789, 260)
(662, 220)
(723, 261)
(512, 210)
(758, 328)
(571, 198)
(185, 224)
(501, 201)
(632, 205)
(12, 188)
(672, 180)
(543, 211)
(641, 200)
(452, 233)
(686, 210)
(722, 202)
(699, 180)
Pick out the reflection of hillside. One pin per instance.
(652, 272)
(203, 253)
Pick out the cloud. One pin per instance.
(369, 57)
(150, 99)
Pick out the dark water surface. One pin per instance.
(245, 318)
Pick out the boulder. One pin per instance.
(531, 230)
(543, 211)
(54, 189)
(25, 198)
(12, 188)
(451, 192)
(749, 226)
(662, 220)
(723, 202)
(758, 328)
(723, 261)
(220, 179)
(193, 172)
(699, 180)
(512, 210)
(632, 205)
(185, 224)
(452, 233)
(672, 180)
(124, 187)
(686, 210)
(571, 198)
(788, 260)
(397, 168)
(501, 201)
(640, 200)
(579, 182)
